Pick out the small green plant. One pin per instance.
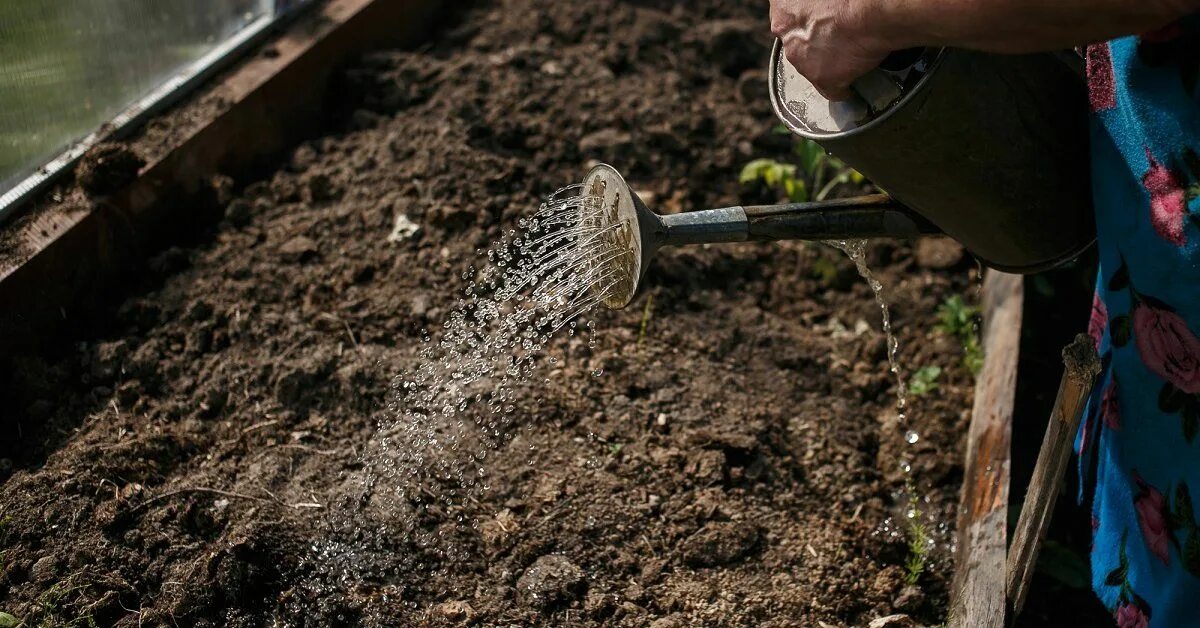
(959, 320)
(647, 314)
(775, 175)
(8, 621)
(51, 611)
(919, 541)
(924, 380)
(825, 171)
(814, 178)
(824, 269)
(615, 448)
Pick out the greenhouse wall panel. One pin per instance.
(69, 66)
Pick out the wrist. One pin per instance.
(899, 24)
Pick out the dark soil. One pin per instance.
(737, 466)
(107, 168)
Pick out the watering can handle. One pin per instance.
(871, 216)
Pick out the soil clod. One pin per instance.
(107, 168)
(298, 249)
(721, 543)
(552, 581)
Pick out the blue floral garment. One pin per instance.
(1139, 443)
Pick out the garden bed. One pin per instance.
(737, 462)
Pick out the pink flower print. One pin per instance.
(1098, 320)
(1102, 88)
(1168, 348)
(1130, 616)
(1109, 409)
(1168, 201)
(1152, 511)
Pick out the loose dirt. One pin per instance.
(735, 465)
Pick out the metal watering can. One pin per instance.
(991, 150)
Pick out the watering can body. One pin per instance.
(991, 149)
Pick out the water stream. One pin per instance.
(457, 404)
(916, 529)
(856, 250)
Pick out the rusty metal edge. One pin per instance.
(977, 598)
(71, 257)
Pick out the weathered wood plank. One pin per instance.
(977, 594)
(1079, 376)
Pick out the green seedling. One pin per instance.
(647, 314)
(824, 269)
(775, 175)
(50, 609)
(959, 320)
(825, 172)
(8, 621)
(924, 380)
(817, 171)
(615, 448)
(919, 541)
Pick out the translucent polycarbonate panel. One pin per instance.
(69, 66)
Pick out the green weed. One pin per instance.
(51, 614)
(825, 171)
(814, 178)
(824, 269)
(924, 380)
(919, 541)
(647, 314)
(8, 621)
(776, 175)
(959, 320)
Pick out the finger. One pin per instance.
(835, 91)
(780, 20)
(783, 18)
(829, 88)
(796, 54)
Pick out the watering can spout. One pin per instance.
(870, 216)
(643, 232)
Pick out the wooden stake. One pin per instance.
(1079, 377)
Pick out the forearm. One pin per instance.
(1018, 26)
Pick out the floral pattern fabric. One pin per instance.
(1138, 444)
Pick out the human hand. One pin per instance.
(830, 42)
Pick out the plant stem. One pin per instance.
(646, 311)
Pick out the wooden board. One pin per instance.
(977, 593)
(71, 256)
